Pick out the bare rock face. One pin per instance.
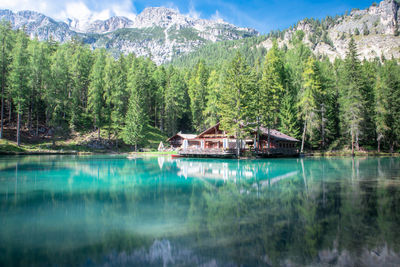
(160, 32)
(38, 25)
(164, 33)
(375, 31)
(109, 25)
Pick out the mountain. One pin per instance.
(376, 32)
(161, 32)
(167, 35)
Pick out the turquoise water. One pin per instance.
(111, 211)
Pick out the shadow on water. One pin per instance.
(90, 211)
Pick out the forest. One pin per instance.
(346, 104)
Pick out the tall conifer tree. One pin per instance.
(19, 77)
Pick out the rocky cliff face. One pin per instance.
(160, 32)
(376, 32)
(164, 33)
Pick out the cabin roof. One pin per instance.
(183, 136)
(277, 135)
(208, 130)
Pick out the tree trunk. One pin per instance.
(303, 137)
(323, 125)
(352, 143)
(135, 147)
(269, 138)
(392, 147)
(19, 126)
(3, 80)
(379, 145)
(237, 145)
(30, 116)
(357, 143)
(37, 123)
(258, 134)
(10, 111)
(98, 132)
(2, 108)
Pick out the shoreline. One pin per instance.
(169, 153)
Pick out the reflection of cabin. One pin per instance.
(177, 140)
(214, 142)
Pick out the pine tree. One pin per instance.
(136, 119)
(56, 96)
(39, 80)
(174, 100)
(120, 96)
(109, 85)
(197, 89)
(271, 88)
(211, 112)
(351, 98)
(6, 39)
(96, 89)
(160, 78)
(236, 99)
(381, 111)
(80, 66)
(392, 84)
(288, 117)
(19, 77)
(308, 98)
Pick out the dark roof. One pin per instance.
(277, 135)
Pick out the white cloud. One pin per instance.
(192, 11)
(81, 9)
(217, 17)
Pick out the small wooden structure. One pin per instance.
(280, 143)
(178, 139)
(214, 142)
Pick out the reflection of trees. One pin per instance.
(310, 211)
(342, 209)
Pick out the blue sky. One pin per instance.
(262, 15)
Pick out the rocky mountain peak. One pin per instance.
(109, 25)
(375, 29)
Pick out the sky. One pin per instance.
(263, 16)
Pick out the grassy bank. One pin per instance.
(78, 143)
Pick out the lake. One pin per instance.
(111, 211)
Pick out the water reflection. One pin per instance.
(107, 210)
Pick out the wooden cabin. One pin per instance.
(214, 142)
(178, 139)
(280, 143)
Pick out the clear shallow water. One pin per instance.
(108, 210)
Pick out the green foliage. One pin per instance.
(213, 54)
(236, 97)
(69, 87)
(197, 89)
(96, 89)
(271, 87)
(288, 117)
(212, 111)
(6, 40)
(175, 100)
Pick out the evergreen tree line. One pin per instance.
(347, 103)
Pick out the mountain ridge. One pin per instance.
(165, 34)
(157, 31)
